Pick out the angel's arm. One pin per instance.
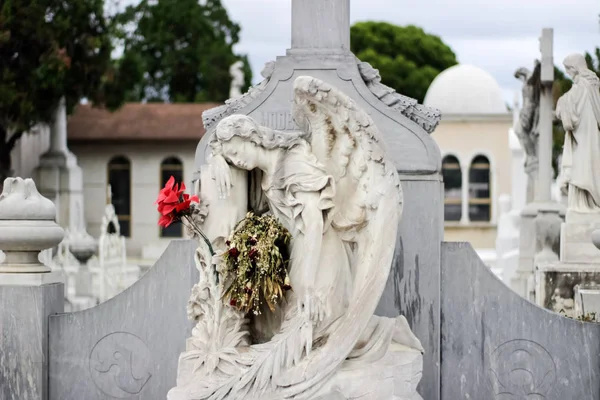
(309, 243)
(222, 174)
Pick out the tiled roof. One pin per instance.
(137, 121)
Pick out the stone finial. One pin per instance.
(20, 200)
(27, 226)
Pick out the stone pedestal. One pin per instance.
(576, 238)
(29, 292)
(555, 284)
(579, 264)
(530, 243)
(24, 312)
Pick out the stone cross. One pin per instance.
(544, 181)
(320, 26)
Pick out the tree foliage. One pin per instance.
(408, 59)
(50, 49)
(182, 48)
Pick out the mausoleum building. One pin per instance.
(135, 150)
(474, 141)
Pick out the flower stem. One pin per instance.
(191, 225)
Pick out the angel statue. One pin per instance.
(332, 187)
(526, 128)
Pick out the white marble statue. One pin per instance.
(579, 111)
(237, 79)
(332, 187)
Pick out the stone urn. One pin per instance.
(27, 226)
(82, 246)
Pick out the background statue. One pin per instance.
(527, 126)
(579, 112)
(237, 79)
(331, 186)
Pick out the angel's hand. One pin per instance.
(222, 174)
(312, 311)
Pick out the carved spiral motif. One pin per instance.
(120, 365)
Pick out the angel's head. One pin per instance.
(246, 144)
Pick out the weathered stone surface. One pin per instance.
(413, 288)
(24, 314)
(497, 345)
(576, 242)
(587, 300)
(408, 144)
(127, 347)
(555, 284)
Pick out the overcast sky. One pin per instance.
(496, 35)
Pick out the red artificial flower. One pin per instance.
(173, 203)
(234, 252)
(168, 198)
(166, 220)
(233, 302)
(185, 204)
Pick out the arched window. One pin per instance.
(452, 188)
(119, 179)
(480, 203)
(171, 166)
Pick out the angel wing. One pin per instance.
(344, 139)
(367, 211)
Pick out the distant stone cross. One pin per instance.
(547, 48)
(543, 190)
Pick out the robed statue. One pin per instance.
(331, 185)
(579, 111)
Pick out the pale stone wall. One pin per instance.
(465, 139)
(145, 161)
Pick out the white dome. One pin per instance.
(467, 90)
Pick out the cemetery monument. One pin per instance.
(332, 186)
(541, 215)
(579, 113)
(480, 339)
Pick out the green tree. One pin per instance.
(50, 49)
(184, 47)
(408, 59)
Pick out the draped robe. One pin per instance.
(579, 111)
